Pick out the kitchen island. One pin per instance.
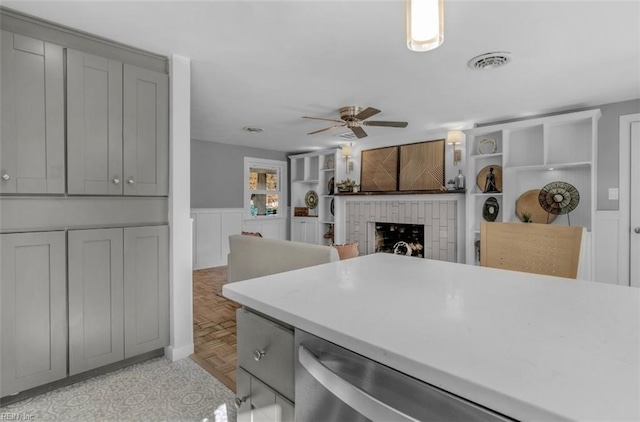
(527, 346)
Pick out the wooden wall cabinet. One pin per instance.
(34, 310)
(32, 132)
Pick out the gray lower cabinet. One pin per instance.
(146, 132)
(94, 124)
(146, 289)
(32, 130)
(265, 382)
(34, 310)
(96, 298)
(259, 402)
(118, 294)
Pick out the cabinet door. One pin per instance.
(146, 289)
(297, 230)
(96, 309)
(146, 132)
(32, 140)
(34, 310)
(94, 124)
(311, 232)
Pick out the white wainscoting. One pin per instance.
(212, 227)
(607, 249)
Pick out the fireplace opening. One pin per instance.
(400, 239)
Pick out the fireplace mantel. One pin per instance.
(412, 192)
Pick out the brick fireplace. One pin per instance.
(438, 217)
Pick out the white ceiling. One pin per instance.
(267, 63)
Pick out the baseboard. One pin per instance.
(174, 354)
(5, 401)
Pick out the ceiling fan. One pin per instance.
(354, 118)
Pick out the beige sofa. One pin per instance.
(251, 256)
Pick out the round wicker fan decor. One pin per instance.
(311, 199)
(559, 198)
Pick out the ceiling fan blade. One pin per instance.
(367, 112)
(387, 124)
(322, 118)
(359, 132)
(325, 129)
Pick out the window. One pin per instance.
(265, 196)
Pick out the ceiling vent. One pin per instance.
(347, 135)
(253, 129)
(490, 60)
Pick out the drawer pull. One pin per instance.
(258, 354)
(6, 177)
(240, 400)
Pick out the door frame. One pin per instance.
(624, 202)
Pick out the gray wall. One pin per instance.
(217, 173)
(609, 149)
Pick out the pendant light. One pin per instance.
(425, 20)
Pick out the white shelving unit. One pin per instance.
(313, 171)
(533, 153)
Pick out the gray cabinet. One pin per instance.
(146, 132)
(118, 294)
(259, 402)
(118, 130)
(32, 133)
(146, 289)
(265, 382)
(96, 300)
(94, 124)
(34, 310)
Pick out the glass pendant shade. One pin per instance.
(425, 29)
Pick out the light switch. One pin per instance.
(613, 194)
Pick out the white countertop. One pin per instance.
(528, 346)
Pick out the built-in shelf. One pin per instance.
(551, 166)
(476, 193)
(311, 181)
(327, 169)
(495, 154)
(533, 153)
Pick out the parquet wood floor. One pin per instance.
(214, 326)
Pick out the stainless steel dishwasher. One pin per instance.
(335, 384)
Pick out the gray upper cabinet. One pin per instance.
(146, 132)
(34, 310)
(117, 128)
(96, 301)
(146, 289)
(32, 132)
(94, 124)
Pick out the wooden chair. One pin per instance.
(531, 248)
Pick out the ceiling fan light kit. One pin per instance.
(353, 117)
(425, 24)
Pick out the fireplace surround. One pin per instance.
(439, 214)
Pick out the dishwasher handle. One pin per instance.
(359, 400)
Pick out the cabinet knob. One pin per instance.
(5, 177)
(637, 230)
(130, 181)
(116, 181)
(258, 354)
(240, 400)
